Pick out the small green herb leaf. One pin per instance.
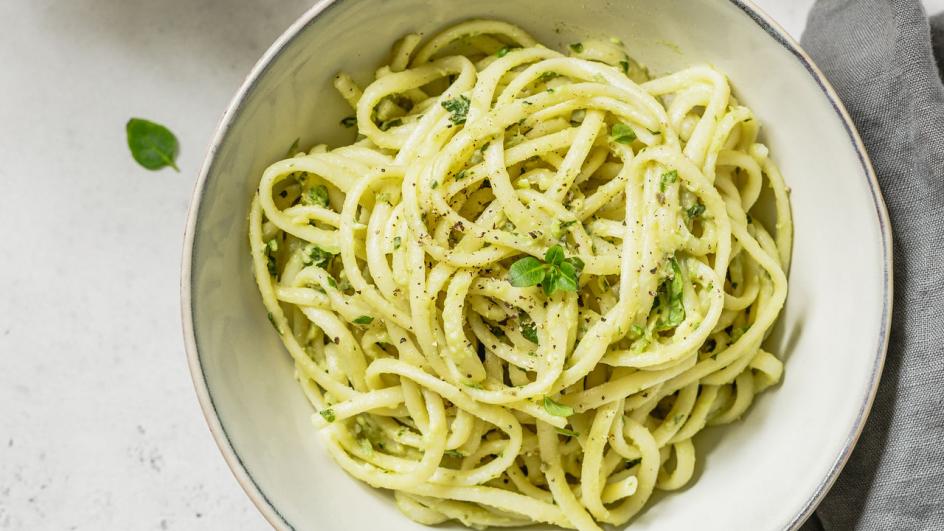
(577, 47)
(454, 453)
(152, 145)
(624, 65)
(622, 133)
(458, 109)
(547, 76)
(328, 414)
(396, 242)
(364, 320)
(528, 271)
(557, 409)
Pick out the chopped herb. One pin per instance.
(528, 328)
(569, 433)
(316, 195)
(460, 175)
(577, 47)
(670, 299)
(349, 121)
(293, 149)
(505, 49)
(624, 65)
(458, 109)
(454, 453)
(547, 76)
(271, 247)
(636, 331)
(332, 283)
(695, 210)
(557, 409)
(152, 145)
(622, 133)
(328, 414)
(668, 178)
(364, 320)
(274, 325)
(396, 122)
(434, 185)
(564, 225)
(396, 242)
(314, 255)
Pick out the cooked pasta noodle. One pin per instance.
(530, 281)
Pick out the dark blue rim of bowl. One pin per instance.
(245, 479)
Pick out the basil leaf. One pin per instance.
(668, 178)
(152, 145)
(624, 65)
(622, 133)
(554, 255)
(567, 279)
(557, 409)
(364, 320)
(528, 271)
(550, 281)
(547, 76)
(328, 414)
(576, 263)
(458, 108)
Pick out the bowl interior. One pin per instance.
(760, 473)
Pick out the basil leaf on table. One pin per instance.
(152, 145)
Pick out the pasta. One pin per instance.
(530, 281)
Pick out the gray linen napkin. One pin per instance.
(878, 54)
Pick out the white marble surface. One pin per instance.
(99, 425)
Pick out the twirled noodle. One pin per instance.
(384, 266)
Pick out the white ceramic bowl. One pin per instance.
(766, 472)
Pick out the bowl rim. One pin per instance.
(234, 109)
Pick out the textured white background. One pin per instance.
(99, 424)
